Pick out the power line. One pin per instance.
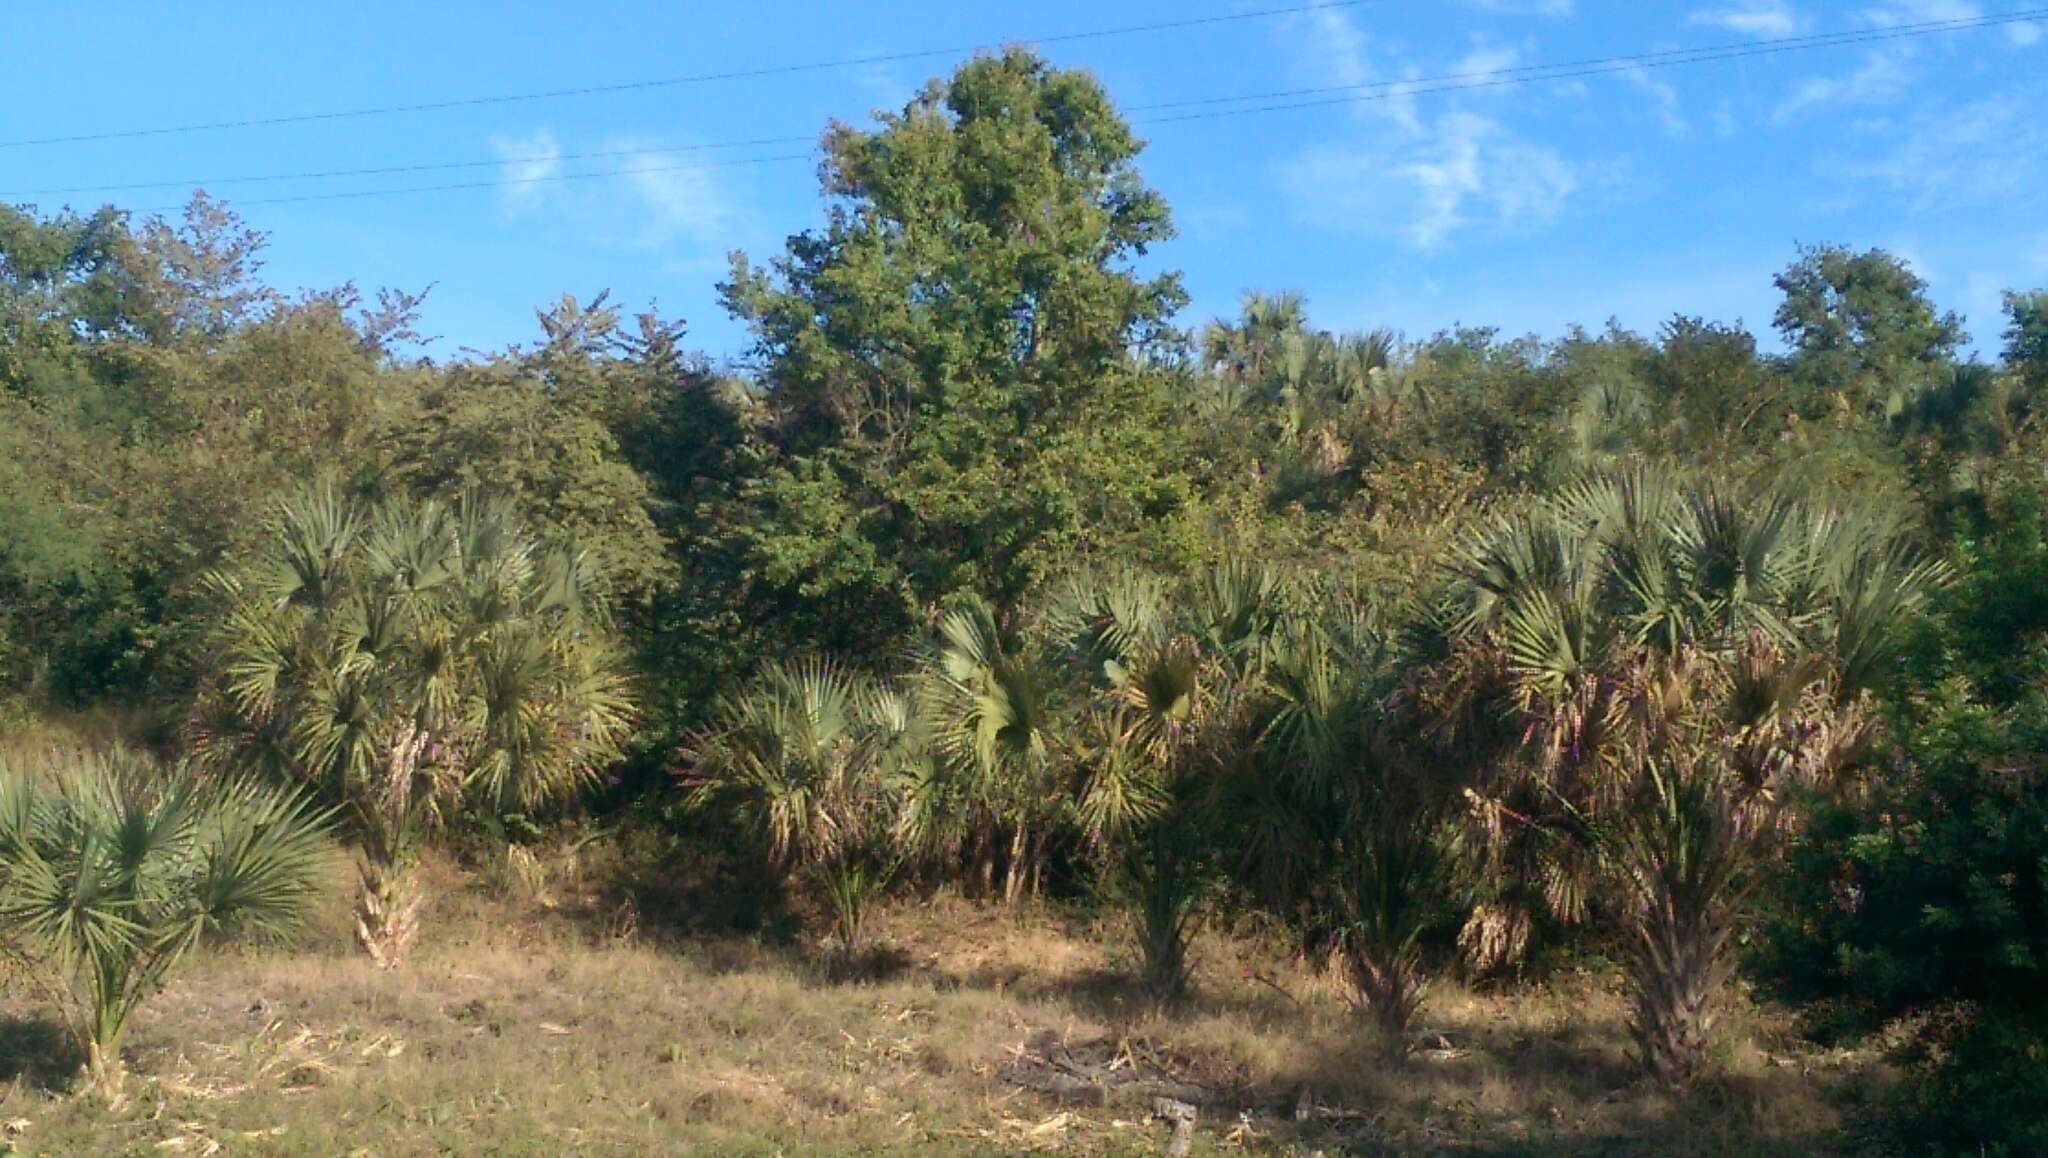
(497, 183)
(1567, 70)
(671, 82)
(1351, 94)
(430, 167)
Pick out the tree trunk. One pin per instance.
(1674, 977)
(1014, 871)
(985, 863)
(104, 1072)
(1387, 986)
(388, 903)
(1166, 901)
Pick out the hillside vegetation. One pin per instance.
(989, 715)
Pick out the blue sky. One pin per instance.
(1634, 194)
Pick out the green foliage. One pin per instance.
(112, 869)
(1930, 895)
(808, 759)
(954, 371)
(1862, 330)
(2026, 338)
(1343, 816)
(1466, 639)
(1161, 671)
(405, 658)
(1678, 662)
(992, 794)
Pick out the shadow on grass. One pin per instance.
(39, 1052)
(1112, 994)
(1479, 1076)
(681, 892)
(1498, 1089)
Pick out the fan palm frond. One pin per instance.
(112, 869)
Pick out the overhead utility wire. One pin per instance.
(429, 167)
(501, 182)
(674, 81)
(1567, 70)
(1385, 89)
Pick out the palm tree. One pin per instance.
(112, 869)
(991, 790)
(1713, 750)
(803, 755)
(1244, 349)
(406, 660)
(1164, 671)
(1662, 646)
(1343, 812)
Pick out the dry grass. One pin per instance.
(534, 1024)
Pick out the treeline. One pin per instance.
(1465, 652)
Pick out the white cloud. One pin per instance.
(1663, 99)
(681, 203)
(2024, 34)
(1210, 222)
(1467, 174)
(1759, 18)
(1987, 152)
(1893, 13)
(528, 161)
(673, 201)
(884, 86)
(1329, 49)
(1725, 124)
(1335, 45)
(1883, 74)
(1887, 71)
(1421, 179)
(1487, 58)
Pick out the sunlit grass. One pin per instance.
(539, 1021)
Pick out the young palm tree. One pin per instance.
(990, 792)
(1345, 815)
(112, 869)
(406, 660)
(1712, 752)
(1164, 673)
(804, 756)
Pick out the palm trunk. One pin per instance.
(1674, 978)
(1388, 987)
(390, 893)
(1687, 861)
(1166, 898)
(985, 860)
(388, 902)
(1014, 871)
(104, 1072)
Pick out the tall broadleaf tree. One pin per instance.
(955, 367)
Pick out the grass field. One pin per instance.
(536, 1020)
